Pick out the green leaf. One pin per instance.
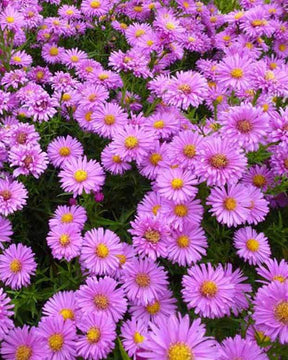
(123, 353)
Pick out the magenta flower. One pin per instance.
(113, 162)
(6, 312)
(13, 196)
(73, 214)
(62, 303)
(272, 270)
(259, 176)
(5, 231)
(133, 333)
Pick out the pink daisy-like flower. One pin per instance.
(74, 214)
(99, 251)
(17, 265)
(271, 310)
(250, 246)
(113, 162)
(144, 281)
(238, 348)
(258, 206)
(176, 185)
(133, 333)
(62, 303)
(149, 236)
(185, 89)
(11, 19)
(58, 337)
(52, 53)
(187, 246)
(65, 241)
(163, 123)
(231, 205)
(150, 205)
(102, 297)
(177, 336)
(80, 174)
(21, 344)
(99, 335)
(41, 107)
(220, 162)
(5, 231)
(21, 58)
(63, 149)
(92, 96)
(72, 57)
(6, 312)
(209, 291)
(13, 196)
(95, 7)
(23, 134)
(259, 176)
(272, 270)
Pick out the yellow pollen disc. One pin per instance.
(183, 241)
(261, 337)
(273, 66)
(213, 19)
(191, 39)
(189, 151)
(122, 259)
(66, 97)
(142, 279)
(67, 218)
(152, 236)
(102, 251)
(80, 175)
(123, 26)
(259, 180)
(252, 245)
(54, 51)
(244, 126)
(153, 308)
(219, 161)
(238, 15)
(93, 335)
(56, 342)
(95, 4)
(281, 312)
(39, 75)
(226, 37)
(101, 301)
(219, 99)
(185, 88)
(279, 278)
(103, 76)
(282, 47)
(149, 42)
(138, 338)
(6, 195)
(230, 204)
(47, 36)
(88, 116)
(23, 352)
(138, 8)
(139, 32)
(151, 6)
(69, 12)
(131, 142)
(64, 151)
(155, 209)
(211, 84)
(177, 184)
(186, 4)
(269, 75)
(116, 159)
(181, 210)
(179, 351)
(67, 314)
(256, 23)
(74, 58)
(127, 59)
(56, 22)
(249, 45)
(237, 73)
(17, 59)
(170, 26)
(64, 240)
(92, 97)
(109, 119)
(208, 288)
(89, 69)
(10, 19)
(159, 124)
(155, 158)
(15, 266)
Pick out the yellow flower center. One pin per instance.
(185, 88)
(17, 59)
(69, 12)
(92, 97)
(67, 218)
(95, 4)
(101, 301)
(269, 75)
(15, 266)
(56, 342)
(279, 278)
(244, 126)
(138, 338)
(219, 99)
(10, 19)
(74, 58)
(67, 314)
(213, 19)
(6, 195)
(122, 259)
(179, 351)
(281, 312)
(116, 159)
(159, 124)
(191, 39)
(259, 180)
(155, 209)
(139, 32)
(138, 8)
(219, 161)
(282, 47)
(183, 241)
(237, 73)
(80, 175)
(152, 236)
(177, 184)
(257, 22)
(66, 97)
(252, 245)
(64, 151)
(208, 288)
(23, 352)
(186, 5)
(89, 69)
(155, 158)
(131, 142)
(153, 308)
(149, 42)
(103, 76)
(54, 51)
(238, 15)
(39, 75)
(93, 335)
(230, 204)
(109, 119)
(226, 37)
(170, 26)
(123, 26)
(189, 151)
(142, 279)
(181, 210)
(64, 240)
(102, 251)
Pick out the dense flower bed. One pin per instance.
(143, 179)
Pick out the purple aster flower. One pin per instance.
(177, 336)
(133, 333)
(52, 53)
(11, 19)
(209, 291)
(102, 297)
(21, 344)
(6, 312)
(144, 281)
(41, 107)
(99, 335)
(112, 162)
(92, 96)
(250, 246)
(14, 78)
(99, 251)
(95, 7)
(80, 174)
(279, 159)
(255, 22)
(272, 270)
(21, 58)
(4, 101)
(23, 134)
(150, 205)
(238, 348)
(258, 207)
(58, 337)
(72, 57)
(65, 241)
(259, 176)
(74, 214)
(62, 303)
(17, 265)
(62, 149)
(163, 123)
(5, 231)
